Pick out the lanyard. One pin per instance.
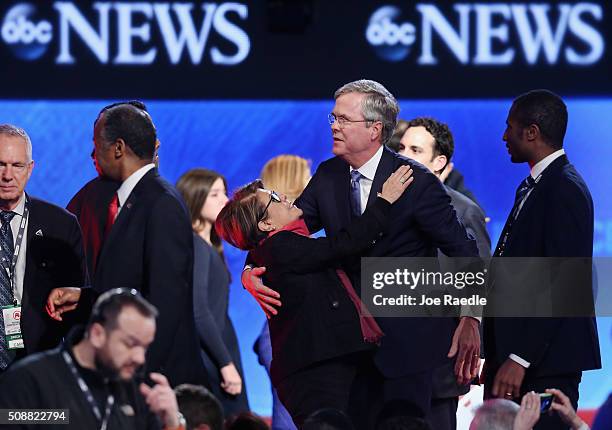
(10, 271)
(110, 400)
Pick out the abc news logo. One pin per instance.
(492, 34)
(24, 31)
(184, 30)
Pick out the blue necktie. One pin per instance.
(355, 193)
(6, 293)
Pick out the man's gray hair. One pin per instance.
(12, 130)
(378, 104)
(496, 414)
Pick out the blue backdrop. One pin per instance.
(236, 138)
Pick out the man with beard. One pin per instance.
(94, 374)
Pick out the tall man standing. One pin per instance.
(148, 244)
(40, 249)
(362, 121)
(552, 217)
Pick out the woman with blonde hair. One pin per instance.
(204, 192)
(287, 174)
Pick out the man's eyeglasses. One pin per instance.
(274, 197)
(342, 121)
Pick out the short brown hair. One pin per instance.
(238, 221)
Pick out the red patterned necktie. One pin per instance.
(113, 208)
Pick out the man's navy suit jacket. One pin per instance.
(150, 248)
(556, 220)
(422, 221)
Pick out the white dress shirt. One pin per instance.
(368, 170)
(126, 188)
(536, 171)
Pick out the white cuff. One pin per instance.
(519, 360)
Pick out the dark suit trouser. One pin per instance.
(375, 397)
(567, 383)
(324, 385)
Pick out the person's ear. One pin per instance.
(119, 148)
(376, 130)
(265, 225)
(532, 132)
(97, 335)
(439, 162)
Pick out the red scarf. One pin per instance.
(370, 330)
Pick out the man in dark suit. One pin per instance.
(431, 143)
(148, 244)
(90, 203)
(552, 217)
(362, 121)
(41, 248)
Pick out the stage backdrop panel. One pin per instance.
(237, 137)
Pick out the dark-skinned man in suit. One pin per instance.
(148, 244)
(552, 217)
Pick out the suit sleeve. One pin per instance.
(475, 225)
(168, 273)
(208, 331)
(305, 254)
(308, 203)
(437, 219)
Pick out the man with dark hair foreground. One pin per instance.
(200, 407)
(95, 374)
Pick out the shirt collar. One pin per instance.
(128, 185)
(20, 206)
(368, 170)
(541, 165)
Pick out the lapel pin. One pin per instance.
(39, 233)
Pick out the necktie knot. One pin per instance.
(7, 216)
(526, 186)
(356, 176)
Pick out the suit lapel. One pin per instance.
(384, 169)
(125, 213)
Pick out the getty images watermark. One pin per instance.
(498, 287)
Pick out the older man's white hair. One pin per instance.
(13, 130)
